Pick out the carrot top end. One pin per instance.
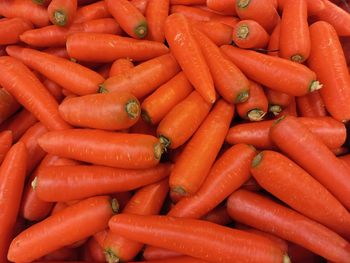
(111, 257)
(179, 190)
(158, 150)
(286, 259)
(133, 109)
(257, 159)
(243, 3)
(242, 96)
(164, 141)
(275, 109)
(34, 183)
(242, 32)
(256, 115)
(315, 85)
(102, 89)
(115, 206)
(141, 30)
(60, 18)
(297, 58)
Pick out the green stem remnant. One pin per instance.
(60, 18)
(256, 115)
(133, 109)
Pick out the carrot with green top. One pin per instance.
(92, 11)
(120, 66)
(5, 143)
(250, 34)
(11, 29)
(62, 12)
(8, 105)
(156, 14)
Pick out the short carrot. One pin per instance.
(11, 29)
(69, 75)
(129, 151)
(250, 34)
(182, 121)
(274, 41)
(8, 105)
(281, 75)
(218, 32)
(156, 14)
(5, 143)
(93, 11)
(128, 17)
(227, 7)
(62, 12)
(60, 183)
(120, 66)
(189, 56)
(278, 100)
(311, 105)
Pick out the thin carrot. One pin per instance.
(227, 7)
(80, 220)
(266, 215)
(274, 42)
(60, 183)
(144, 78)
(151, 253)
(129, 151)
(156, 14)
(141, 5)
(229, 81)
(311, 105)
(281, 74)
(10, 30)
(217, 243)
(12, 176)
(8, 105)
(218, 216)
(200, 152)
(69, 75)
(250, 34)
(157, 105)
(255, 108)
(120, 66)
(93, 11)
(278, 100)
(194, 13)
(182, 121)
(5, 143)
(218, 32)
(128, 17)
(62, 12)
(15, 75)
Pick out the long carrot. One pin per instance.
(281, 74)
(311, 105)
(217, 243)
(69, 75)
(120, 66)
(62, 12)
(200, 152)
(80, 220)
(61, 183)
(266, 215)
(35, 98)
(93, 11)
(144, 78)
(226, 7)
(156, 14)
(12, 176)
(278, 100)
(8, 105)
(250, 34)
(5, 143)
(130, 151)
(11, 29)
(188, 54)
(218, 32)
(229, 81)
(183, 120)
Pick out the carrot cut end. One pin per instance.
(243, 3)
(133, 109)
(158, 150)
(102, 89)
(297, 58)
(111, 257)
(256, 115)
(141, 30)
(243, 32)
(34, 183)
(179, 190)
(60, 18)
(145, 116)
(286, 259)
(164, 141)
(275, 109)
(257, 159)
(115, 206)
(315, 85)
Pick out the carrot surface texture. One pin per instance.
(62, 12)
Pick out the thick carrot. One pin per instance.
(157, 105)
(120, 66)
(311, 105)
(312, 154)
(194, 13)
(69, 75)
(200, 239)
(110, 111)
(281, 74)
(228, 173)
(229, 81)
(5, 143)
(129, 151)
(274, 42)
(188, 54)
(93, 11)
(144, 78)
(35, 98)
(10, 29)
(218, 216)
(278, 100)
(156, 14)
(218, 32)
(284, 179)
(195, 161)
(332, 71)
(60, 183)
(8, 105)
(79, 220)
(313, 6)
(62, 12)
(255, 108)
(250, 34)
(227, 7)
(266, 215)
(141, 5)
(107, 47)
(12, 176)
(128, 17)
(182, 121)
(151, 253)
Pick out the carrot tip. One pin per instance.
(59, 18)
(34, 183)
(164, 141)
(243, 3)
(145, 116)
(115, 205)
(133, 109)
(257, 160)
(141, 30)
(286, 259)
(275, 109)
(158, 150)
(242, 97)
(179, 190)
(111, 257)
(243, 32)
(102, 89)
(298, 58)
(256, 115)
(315, 85)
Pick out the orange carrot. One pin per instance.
(62, 12)
(5, 143)
(151, 253)
(278, 100)
(11, 29)
(54, 89)
(156, 14)
(120, 66)
(218, 216)
(227, 7)
(57, 51)
(250, 34)
(8, 105)
(313, 6)
(196, 13)
(226, 20)
(93, 11)
(274, 42)
(187, 2)
(311, 105)
(141, 5)
(218, 32)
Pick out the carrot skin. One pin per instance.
(274, 41)
(62, 12)
(156, 14)
(195, 13)
(311, 105)
(218, 216)
(11, 29)
(151, 253)
(226, 7)
(93, 11)
(5, 143)
(8, 105)
(120, 66)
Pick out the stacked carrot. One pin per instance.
(174, 131)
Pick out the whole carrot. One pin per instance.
(311, 105)
(8, 105)
(156, 14)
(226, 7)
(120, 66)
(92, 11)
(79, 220)
(281, 74)
(250, 34)
(218, 243)
(62, 12)
(218, 32)
(129, 151)
(12, 176)
(5, 143)
(278, 100)
(188, 54)
(35, 98)
(11, 29)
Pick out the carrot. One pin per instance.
(91, 215)
(164, 99)
(188, 54)
(36, 14)
(226, 20)
(143, 127)
(10, 30)
(98, 47)
(69, 75)
(182, 121)
(128, 17)
(64, 253)
(274, 42)
(8, 105)
(175, 260)
(255, 108)
(311, 105)
(59, 183)
(62, 12)
(120, 66)
(12, 176)
(194, 13)
(111, 111)
(313, 6)
(146, 201)
(151, 253)
(266, 215)
(218, 32)
(218, 216)
(55, 36)
(15, 75)
(285, 179)
(141, 5)
(5, 143)
(250, 34)
(129, 151)
(187, 2)
(144, 78)
(278, 100)
(200, 152)
(281, 75)
(229, 81)
(156, 14)
(93, 11)
(57, 51)
(95, 251)
(228, 173)
(333, 71)
(226, 7)
(313, 155)
(217, 243)
(54, 89)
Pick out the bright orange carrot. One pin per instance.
(5, 143)
(311, 105)
(62, 12)
(218, 32)
(188, 54)
(194, 13)
(120, 66)
(8, 105)
(250, 34)
(227, 7)
(11, 29)
(274, 42)
(278, 100)
(156, 14)
(93, 11)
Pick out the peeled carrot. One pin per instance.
(10, 30)
(311, 105)
(218, 32)
(278, 100)
(120, 66)
(274, 42)
(8, 105)
(227, 7)
(250, 34)
(156, 14)
(62, 12)
(93, 11)
(5, 143)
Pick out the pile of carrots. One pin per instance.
(174, 131)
